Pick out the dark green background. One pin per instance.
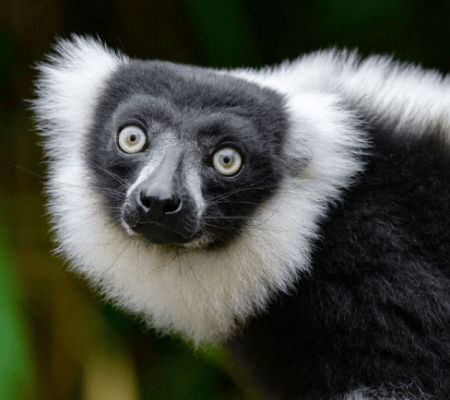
(57, 339)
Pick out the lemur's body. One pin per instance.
(300, 214)
(375, 309)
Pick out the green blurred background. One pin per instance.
(57, 339)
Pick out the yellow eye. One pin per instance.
(132, 139)
(227, 161)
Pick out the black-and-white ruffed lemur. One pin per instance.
(298, 214)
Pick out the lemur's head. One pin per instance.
(190, 196)
(184, 156)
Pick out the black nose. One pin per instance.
(155, 205)
(157, 211)
(160, 208)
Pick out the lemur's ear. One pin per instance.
(69, 83)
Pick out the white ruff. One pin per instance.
(407, 98)
(197, 293)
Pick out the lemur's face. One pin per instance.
(180, 162)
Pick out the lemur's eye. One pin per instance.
(131, 139)
(227, 161)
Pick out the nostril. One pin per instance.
(156, 206)
(146, 201)
(171, 206)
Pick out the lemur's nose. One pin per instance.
(159, 208)
(156, 210)
(154, 203)
(158, 196)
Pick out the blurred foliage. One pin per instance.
(57, 340)
(15, 363)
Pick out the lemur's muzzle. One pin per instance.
(160, 209)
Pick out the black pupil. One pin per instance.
(226, 159)
(133, 138)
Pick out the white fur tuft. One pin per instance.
(405, 97)
(68, 87)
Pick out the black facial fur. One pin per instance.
(203, 111)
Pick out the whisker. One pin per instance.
(196, 277)
(117, 258)
(214, 200)
(173, 259)
(234, 202)
(277, 208)
(95, 188)
(25, 170)
(113, 175)
(252, 185)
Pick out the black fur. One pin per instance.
(375, 310)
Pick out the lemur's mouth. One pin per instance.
(160, 234)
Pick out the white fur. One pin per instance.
(198, 293)
(383, 394)
(69, 86)
(408, 98)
